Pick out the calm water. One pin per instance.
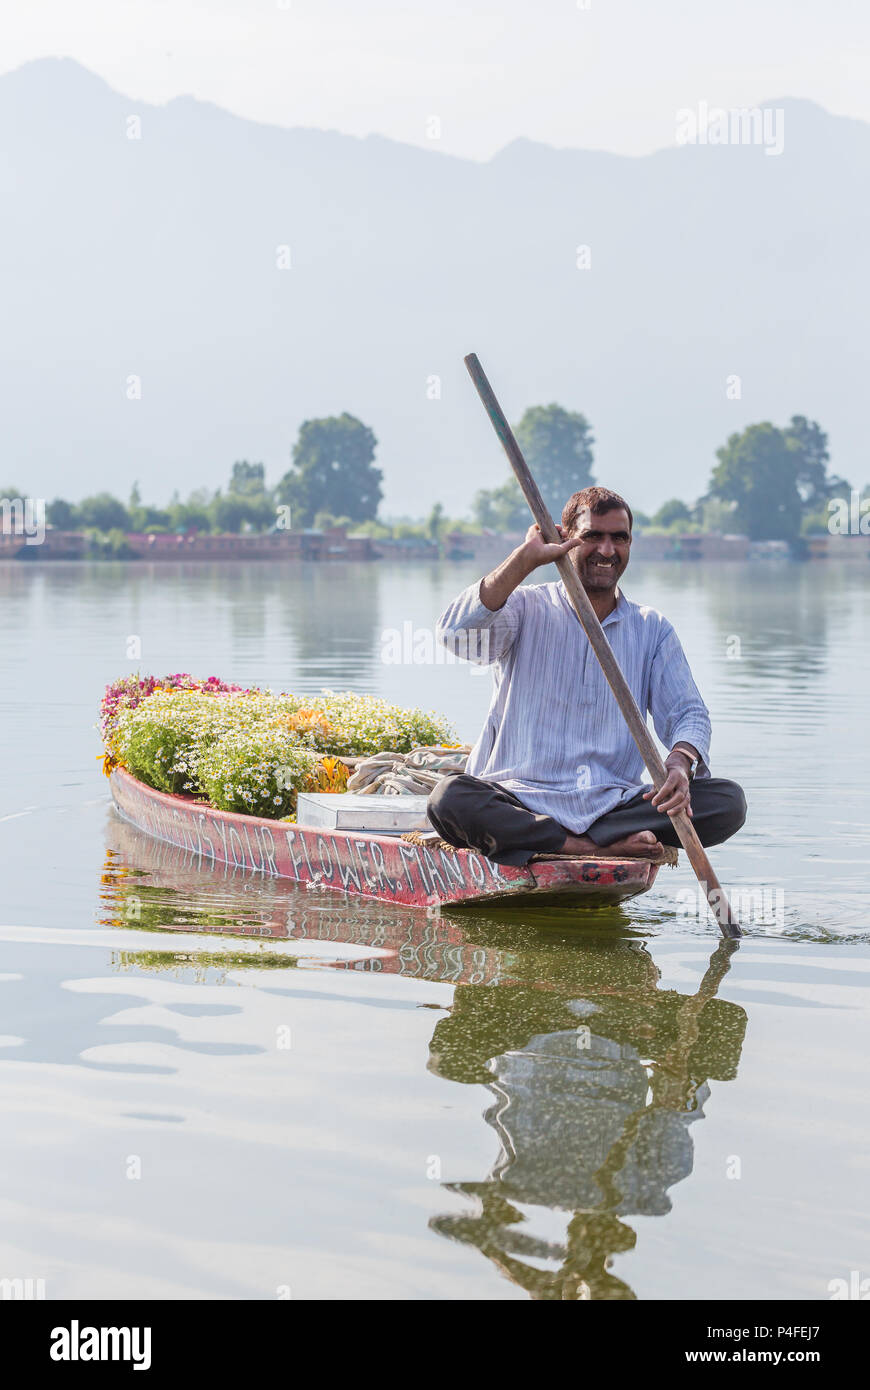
(343, 1099)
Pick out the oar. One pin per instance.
(712, 889)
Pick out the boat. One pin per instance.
(385, 867)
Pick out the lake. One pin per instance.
(256, 1091)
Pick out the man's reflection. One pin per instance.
(596, 1080)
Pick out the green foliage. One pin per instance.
(378, 530)
(259, 772)
(502, 508)
(184, 517)
(435, 522)
(252, 751)
(103, 512)
(359, 725)
(671, 512)
(757, 471)
(809, 444)
(59, 513)
(333, 470)
(557, 445)
(717, 517)
(161, 738)
(248, 479)
(108, 545)
(116, 546)
(156, 752)
(231, 512)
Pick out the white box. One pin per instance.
(383, 815)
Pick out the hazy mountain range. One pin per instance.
(156, 257)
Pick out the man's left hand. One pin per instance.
(673, 795)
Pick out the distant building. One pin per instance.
(331, 544)
(406, 548)
(484, 546)
(854, 548)
(689, 547)
(55, 545)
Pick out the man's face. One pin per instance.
(603, 556)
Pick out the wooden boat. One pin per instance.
(385, 867)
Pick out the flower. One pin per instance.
(251, 750)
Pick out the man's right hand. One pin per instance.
(496, 588)
(539, 552)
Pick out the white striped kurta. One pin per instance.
(554, 734)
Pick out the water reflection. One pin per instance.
(322, 620)
(596, 1073)
(770, 622)
(596, 1076)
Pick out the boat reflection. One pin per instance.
(596, 1073)
(147, 883)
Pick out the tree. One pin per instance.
(248, 479)
(144, 518)
(671, 511)
(757, 471)
(333, 470)
(103, 512)
(557, 444)
(188, 516)
(230, 512)
(435, 522)
(810, 445)
(502, 508)
(717, 516)
(59, 513)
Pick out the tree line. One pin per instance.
(769, 482)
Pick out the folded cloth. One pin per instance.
(407, 774)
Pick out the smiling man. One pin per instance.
(555, 769)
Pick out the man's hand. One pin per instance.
(539, 552)
(497, 587)
(673, 795)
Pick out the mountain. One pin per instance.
(156, 258)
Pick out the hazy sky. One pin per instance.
(610, 76)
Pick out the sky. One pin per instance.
(463, 78)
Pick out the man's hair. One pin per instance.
(599, 500)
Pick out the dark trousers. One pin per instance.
(471, 813)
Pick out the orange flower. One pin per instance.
(330, 775)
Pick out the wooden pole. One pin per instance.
(688, 836)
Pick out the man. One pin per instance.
(555, 769)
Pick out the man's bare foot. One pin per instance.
(581, 844)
